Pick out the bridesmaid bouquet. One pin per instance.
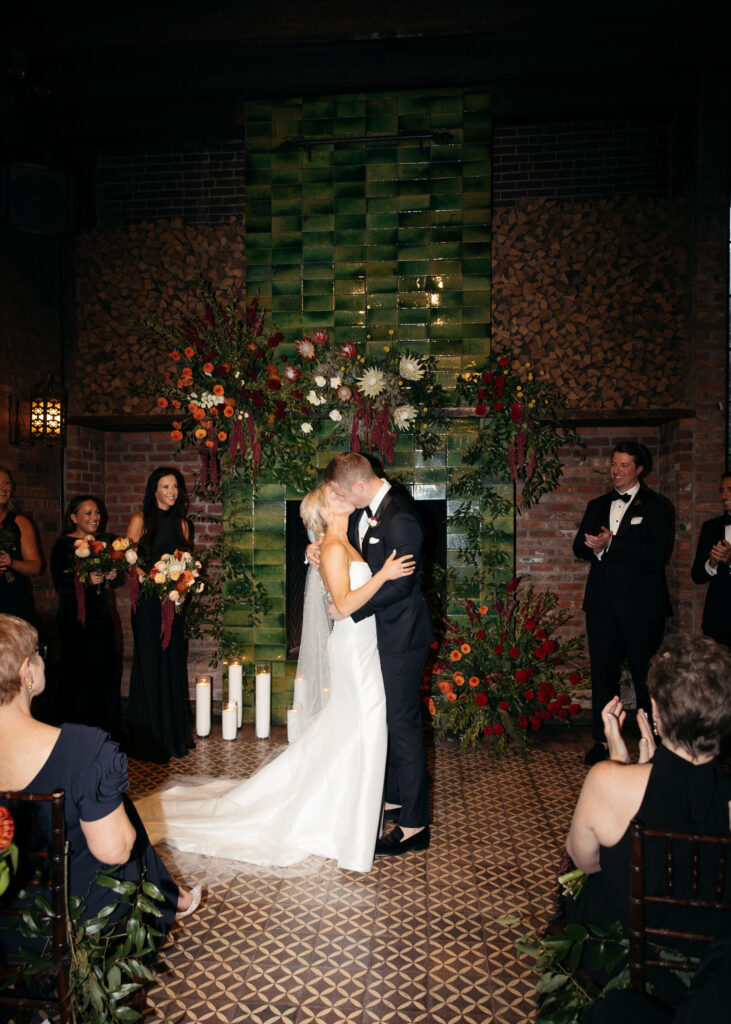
(7, 543)
(92, 555)
(171, 579)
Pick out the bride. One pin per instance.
(322, 794)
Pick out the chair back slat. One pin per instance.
(639, 930)
(58, 970)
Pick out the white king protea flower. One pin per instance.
(411, 368)
(403, 416)
(372, 383)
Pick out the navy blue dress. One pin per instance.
(15, 592)
(92, 771)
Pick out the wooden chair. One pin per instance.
(716, 847)
(56, 1007)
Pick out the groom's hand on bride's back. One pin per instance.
(312, 554)
(334, 613)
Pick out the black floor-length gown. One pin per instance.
(15, 592)
(159, 725)
(89, 663)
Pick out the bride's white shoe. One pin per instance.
(196, 892)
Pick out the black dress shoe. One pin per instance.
(394, 844)
(392, 814)
(597, 753)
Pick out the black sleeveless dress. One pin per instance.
(685, 798)
(160, 722)
(15, 592)
(89, 662)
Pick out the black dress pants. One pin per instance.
(407, 780)
(613, 639)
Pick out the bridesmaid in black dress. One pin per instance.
(89, 664)
(19, 553)
(159, 725)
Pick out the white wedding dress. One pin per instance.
(322, 795)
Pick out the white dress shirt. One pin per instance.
(373, 505)
(616, 514)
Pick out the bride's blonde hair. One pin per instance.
(311, 508)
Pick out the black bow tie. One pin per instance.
(727, 517)
(368, 511)
(616, 496)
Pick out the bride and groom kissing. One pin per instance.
(323, 794)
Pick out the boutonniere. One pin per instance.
(373, 521)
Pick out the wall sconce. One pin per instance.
(47, 415)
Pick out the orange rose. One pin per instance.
(431, 706)
(218, 389)
(474, 681)
(222, 435)
(209, 444)
(187, 371)
(458, 678)
(175, 403)
(198, 414)
(200, 433)
(213, 412)
(444, 686)
(176, 435)
(484, 609)
(162, 402)
(455, 655)
(189, 352)
(208, 367)
(182, 587)
(188, 575)
(229, 401)
(228, 411)
(175, 356)
(177, 424)
(451, 697)
(270, 419)
(465, 648)
(184, 382)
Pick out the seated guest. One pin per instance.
(102, 826)
(681, 785)
(89, 669)
(711, 568)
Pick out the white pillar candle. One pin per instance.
(228, 721)
(299, 685)
(236, 690)
(203, 706)
(293, 725)
(263, 700)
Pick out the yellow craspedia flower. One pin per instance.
(386, 348)
(390, 331)
(530, 376)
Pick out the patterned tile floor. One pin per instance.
(416, 940)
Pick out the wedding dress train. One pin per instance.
(321, 795)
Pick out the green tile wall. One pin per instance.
(373, 241)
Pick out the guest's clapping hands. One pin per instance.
(598, 541)
(647, 740)
(613, 716)
(720, 553)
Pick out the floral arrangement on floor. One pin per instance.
(8, 849)
(520, 432)
(244, 398)
(94, 555)
(171, 578)
(504, 672)
(370, 400)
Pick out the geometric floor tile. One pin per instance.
(414, 942)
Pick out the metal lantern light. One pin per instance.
(47, 412)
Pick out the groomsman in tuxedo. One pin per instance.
(627, 536)
(711, 567)
(383, 521)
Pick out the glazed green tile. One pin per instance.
(283, 287)
(286, 254)
(349, 286)
(258, 240)
(317, 303)
(269, 652)
(411, 267)
(413, 300)
(382, 301)
(313, 175)
(348, 156)
(286, 226)
(349, 318)
(348, 190)
(350, 205)
(379, 253)
(318, 320)
(258, 273)
(317, 286)
(349, 254)
(476, 175)
(381, 187)
(349, 229)
(446, 234)
(289, 321)
(286, 304)
(348, 270)
(316, 271)
(381, 124)
(411, 253)
(317, 253)
(381, 285)
(349, 107)
(319, 222)
(349, 172)
(413, 203)
(382, 172)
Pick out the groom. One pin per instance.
(382, 521)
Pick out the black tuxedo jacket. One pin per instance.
(402, 614)
(717, 609)
(629, 578)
